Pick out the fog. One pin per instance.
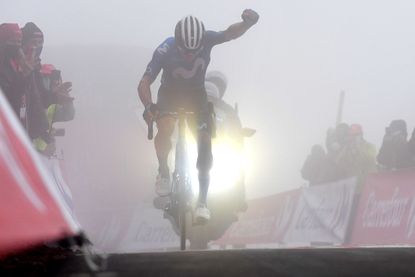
(285, 73)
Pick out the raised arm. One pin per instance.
(249, 18)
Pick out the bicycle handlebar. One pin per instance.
(178, 113)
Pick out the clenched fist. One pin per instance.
(250, 17)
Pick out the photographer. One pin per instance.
(62, 109)
(61, 106)
(37, 122)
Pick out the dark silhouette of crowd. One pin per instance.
(35, 91)
(348, 154)
(397, 151)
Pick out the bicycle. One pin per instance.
(178, 204)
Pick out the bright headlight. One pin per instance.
(228, 165)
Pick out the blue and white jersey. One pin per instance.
(177, 72)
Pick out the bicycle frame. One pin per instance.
(181, 159)
(181, 179)
(181, 195)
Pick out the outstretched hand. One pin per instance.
(250, 17)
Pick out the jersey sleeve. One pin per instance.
(155, 65)
(213, 38)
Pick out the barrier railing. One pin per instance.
(332, 214)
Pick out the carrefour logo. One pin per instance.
(188, 74)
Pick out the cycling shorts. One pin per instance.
(192, 100)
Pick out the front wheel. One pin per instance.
(182, 224)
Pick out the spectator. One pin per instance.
(52, 85)
(337, 138)
(363, 153)
(315, 168)
(394, 152)
(53, 90)
(52, 82)
(349, 154)
(12, 80)
(32, 45)
(25, 87)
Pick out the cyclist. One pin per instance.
(184, 59)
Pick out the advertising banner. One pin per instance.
(322, 215)
(265, 221)
(148, 230)
(386, 211)
(302, 217)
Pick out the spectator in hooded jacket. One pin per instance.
(316, 166)
(395, 150)
(32, 45)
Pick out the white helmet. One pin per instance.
(219, 79)
(189, 33)
(212, 90)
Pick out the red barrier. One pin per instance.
(31, 209)
(386, 211)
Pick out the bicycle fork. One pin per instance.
(181, 180)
